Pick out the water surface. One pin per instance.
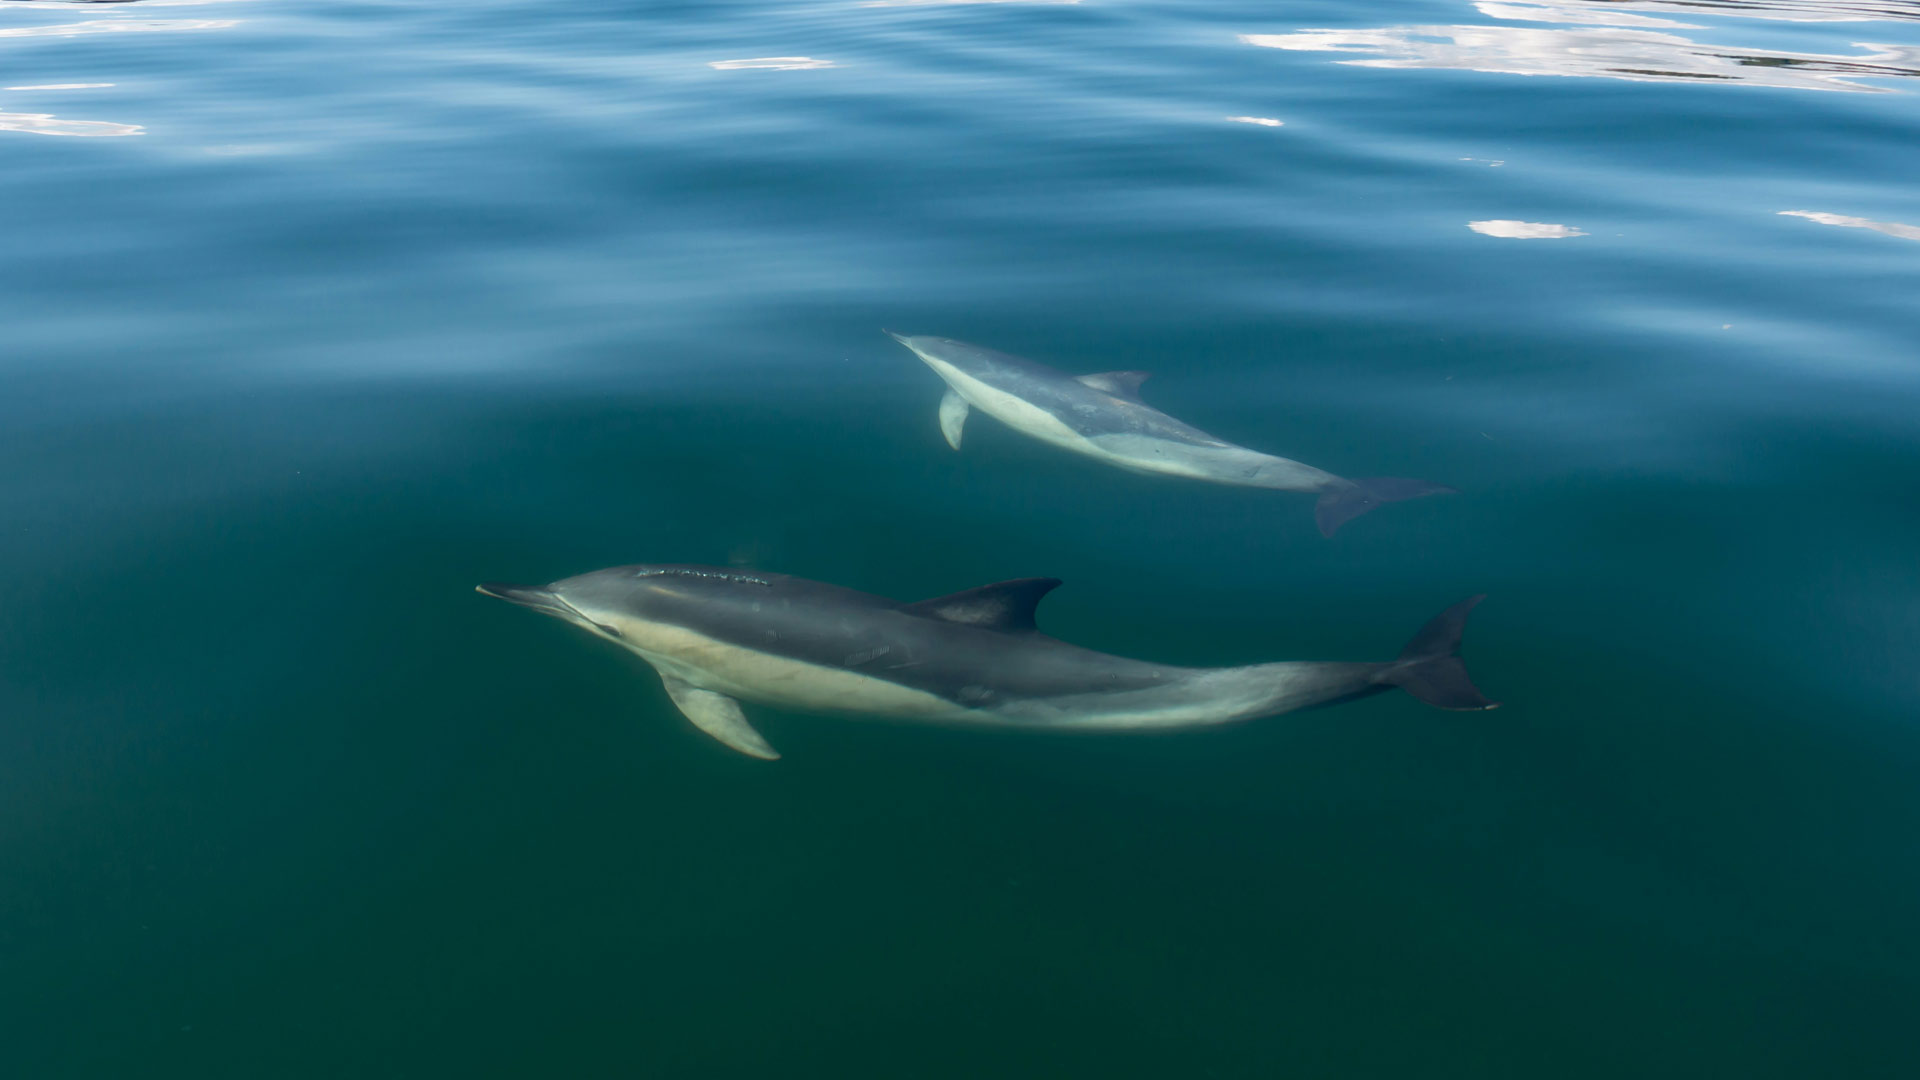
(315, 315)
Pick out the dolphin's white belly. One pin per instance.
(1220, 462)
(1016, 412)
(1224, 463)
(1209, 696)
(1144, 453)
(771, 679)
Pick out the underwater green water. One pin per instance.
(376, 301)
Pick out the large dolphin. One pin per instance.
(1103, 417)
(719, 637)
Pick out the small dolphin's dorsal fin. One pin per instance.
(1121, 384)
(719, 716)
(1005, 605)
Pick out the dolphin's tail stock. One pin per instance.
(1341, 505)
(1429, 667)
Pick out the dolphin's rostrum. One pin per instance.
(719, 637)
(1103, 417)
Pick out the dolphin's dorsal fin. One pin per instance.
(719, 716)
(1121, 384)
(1005, 605)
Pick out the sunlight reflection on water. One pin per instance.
(1891, 228)
(46, 124)
(1621, 47)
(117, 26)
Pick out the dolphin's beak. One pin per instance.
(901, 338)
(530, 596)
(545, 601)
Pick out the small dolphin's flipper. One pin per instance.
(1429, 667)
(1004, 605)
(1121, 384)
(1338, 507)
(719, 716)
(953, 415)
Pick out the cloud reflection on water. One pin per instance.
(117, 26)
(1614, 43)
(1524, 230)
(1772, 10)
(772, 63)
(58, 5)
(1573, 11)
(46, 124)
(1891, 228)
(951, 3)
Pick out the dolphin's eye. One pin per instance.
(608, 630)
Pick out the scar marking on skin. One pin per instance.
(715, 575)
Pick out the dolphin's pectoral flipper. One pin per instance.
(719, 716)
(1121, 384)
(1342, 505)
(1429, 667)
(953, 415)
(1004, 605)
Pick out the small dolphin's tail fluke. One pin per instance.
(1340, 506)
(1429, 667)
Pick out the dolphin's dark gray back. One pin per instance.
(977, 648)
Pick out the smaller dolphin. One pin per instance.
(1102, 416)
(719, 637)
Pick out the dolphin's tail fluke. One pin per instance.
(1342, 505)
(1429, 667)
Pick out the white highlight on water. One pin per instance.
(1891, 228)
(947, 3)
(772, 63)
(1524, 230)
(46, 124)
(118, 26)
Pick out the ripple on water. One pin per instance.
(33, 123)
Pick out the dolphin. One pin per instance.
(1102, 416)
(719, 637)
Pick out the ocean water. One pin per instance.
(317, 314)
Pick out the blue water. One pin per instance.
(315, 315)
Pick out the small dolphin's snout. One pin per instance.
(901, 338)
